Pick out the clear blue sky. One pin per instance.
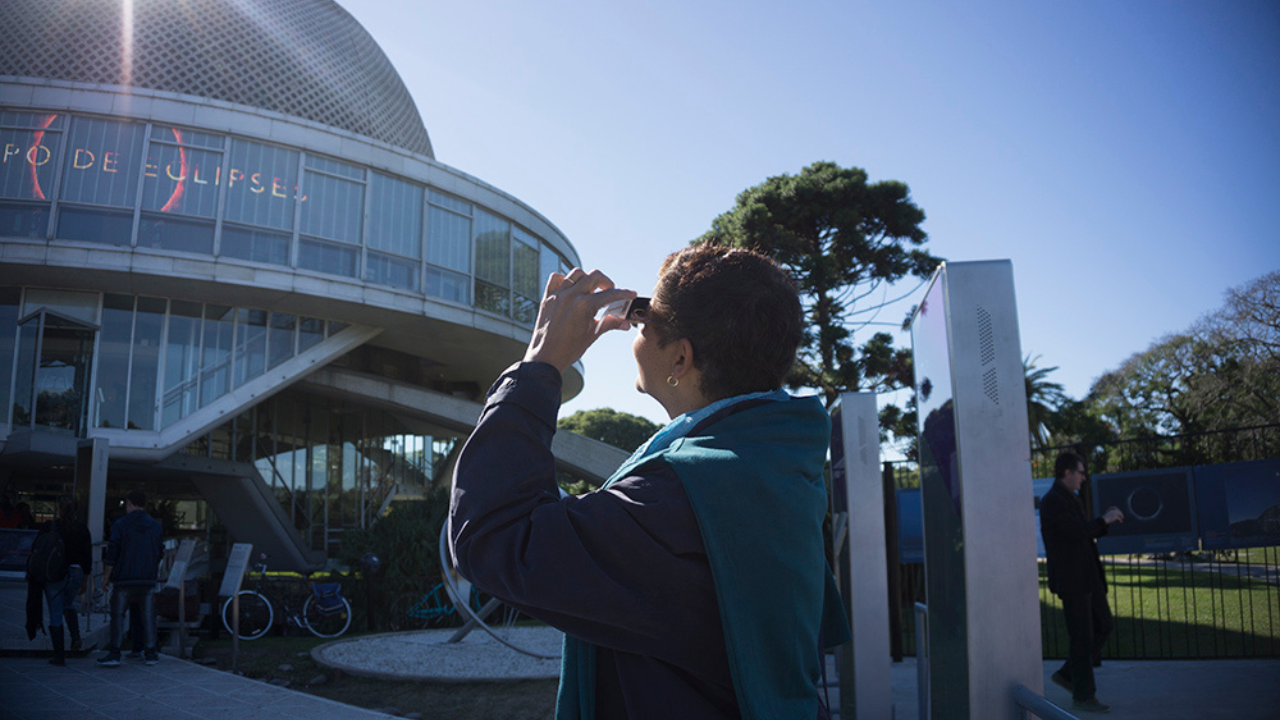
(1124, 155)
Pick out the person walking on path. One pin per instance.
(1076, 576)
(79, 544)
(130, 568)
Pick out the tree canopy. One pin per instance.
(619, 429)
(1223, 372)
(845, 242)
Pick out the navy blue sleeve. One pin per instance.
(623, 568)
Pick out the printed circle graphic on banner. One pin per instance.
(1145, 503)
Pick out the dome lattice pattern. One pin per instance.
(304, 58)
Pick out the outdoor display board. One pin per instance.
(910, 526)
(1238, 504)
(1159, 511)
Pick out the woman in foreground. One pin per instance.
(693, 584)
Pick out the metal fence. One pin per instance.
(1222, 604)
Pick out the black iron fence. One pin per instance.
(1221, 604)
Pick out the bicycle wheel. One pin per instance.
(256, 615)
(409, 612)
(326, 625)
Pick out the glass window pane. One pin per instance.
(448, 285)
(181, 180)
(333, 167)
(493, 298)
(549, 262)
(144, 371)
(251, 344)
(525, 274)
(102, 162)
(62, 377)
(9, 118)
(493, 249)
(114, 340)
(171, 233)
(181, 361)
(187, 137)
(9, 300)
(448, 201)
(393, 271)
(110, 227)
(449, 240)
(215, 372)
(310, 332)
(328, 257)
(23, 220)
(280, 342)
(261, 185)
(395, 216)
(28, 341)
(255, 245)
(26, 162)
(333, 209)
(524, 309)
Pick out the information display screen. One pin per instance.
(1159, 511)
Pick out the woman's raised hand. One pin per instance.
(567, 324)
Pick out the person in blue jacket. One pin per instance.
(130, 569)
(694, 583)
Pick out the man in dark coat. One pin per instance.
(1076, 576)
(130, 567)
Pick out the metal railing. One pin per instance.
(1029, 701)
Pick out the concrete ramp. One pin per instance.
(252, 514)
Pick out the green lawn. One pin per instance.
(1168, 611)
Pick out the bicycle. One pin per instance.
(435, 608)
(322, 611)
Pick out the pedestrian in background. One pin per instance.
(130, 568)
(1075, 576)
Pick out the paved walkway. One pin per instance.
(31, 689)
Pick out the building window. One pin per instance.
(28, 154)
(180, 179)
(493, 263)
(10, 299)
(332, 217)
(395, 233)
(102, 162)
(181, 361)
(525, 280)
(251, 344)
(255, 245)
(261, 185)
(114, 341)
(448, 248)
(215, 364)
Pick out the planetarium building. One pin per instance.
(233, 274)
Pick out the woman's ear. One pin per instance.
(682, 364)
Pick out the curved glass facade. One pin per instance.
(145, 185)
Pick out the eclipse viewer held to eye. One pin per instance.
(694, 583)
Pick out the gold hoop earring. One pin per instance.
(672, 381)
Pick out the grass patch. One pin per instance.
(1169, 610)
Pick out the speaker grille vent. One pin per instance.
(987, 352)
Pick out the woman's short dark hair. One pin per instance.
(740, 311)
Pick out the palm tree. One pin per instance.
(1044, 398)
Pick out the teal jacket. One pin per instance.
(753, 473)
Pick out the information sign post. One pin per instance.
(178, 579)
(237, 563)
